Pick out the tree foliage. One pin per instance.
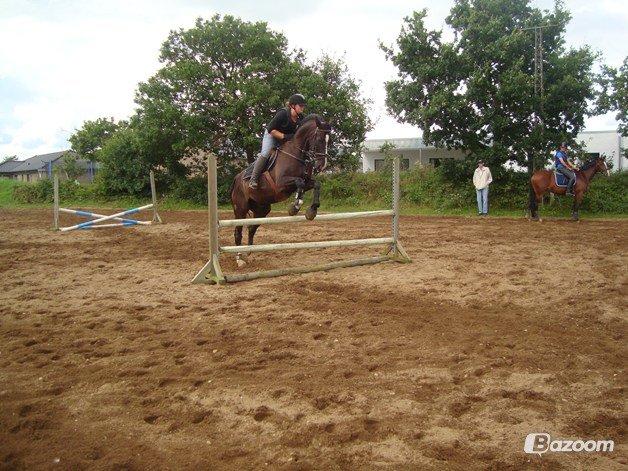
(476, 92)
(88, 140)
(614, 94)
(70, 166)
(223, 79)
(124, 167)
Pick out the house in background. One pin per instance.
(39, 167)
(413, 152)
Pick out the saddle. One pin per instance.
(270, 163)
(561, 180)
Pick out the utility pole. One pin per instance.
(538, 85)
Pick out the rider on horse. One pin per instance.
(564, 167)
(280, 129)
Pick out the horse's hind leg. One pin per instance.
(259, 211)
(536, 195)
(240, 212)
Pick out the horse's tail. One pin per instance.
(232, 187)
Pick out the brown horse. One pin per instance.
(543, 180)
(292, 172)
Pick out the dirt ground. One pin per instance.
(111, 359)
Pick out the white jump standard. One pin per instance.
(94, 224)
(212, 272)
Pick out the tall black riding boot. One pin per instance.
(260, 165)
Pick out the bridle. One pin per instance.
(311, 156)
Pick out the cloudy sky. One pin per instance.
(63, 61)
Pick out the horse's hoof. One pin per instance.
(310, 214)
(293, 211)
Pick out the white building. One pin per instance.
(413, 151)
(607, 143)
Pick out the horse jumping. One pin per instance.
(296, 162)
(544, 180)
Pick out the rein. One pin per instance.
(310, 156)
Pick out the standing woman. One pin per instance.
(279, 130)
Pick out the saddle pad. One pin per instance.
(269, 165)
(561, 180)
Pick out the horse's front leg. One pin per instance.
(298, 197)
(576, 205)
(312, 210)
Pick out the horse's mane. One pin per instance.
(589, 163)
(312, 116)
(306, 125)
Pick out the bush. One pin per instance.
(192, 189)
(41, 192)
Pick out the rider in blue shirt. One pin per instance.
(564, 167)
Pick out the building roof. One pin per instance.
(399, 143)
(35, 163)
(9, 165)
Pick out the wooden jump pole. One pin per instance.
(305, 245)
(290, 219)
(212, 272)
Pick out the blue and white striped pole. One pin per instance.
(87, 214)
(88, 224)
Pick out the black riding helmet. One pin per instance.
(297, 99)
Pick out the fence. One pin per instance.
(212, 272)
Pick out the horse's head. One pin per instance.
(313, 135)
(600, 166)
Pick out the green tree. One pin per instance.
(8, 158)
(124, 166)
(70, 166)
(88, 140)
(223, 79)
(476, 92)
(614, 95)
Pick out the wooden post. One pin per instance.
(153, 192)
(399, 254)
(211, 272)
(55, 186)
